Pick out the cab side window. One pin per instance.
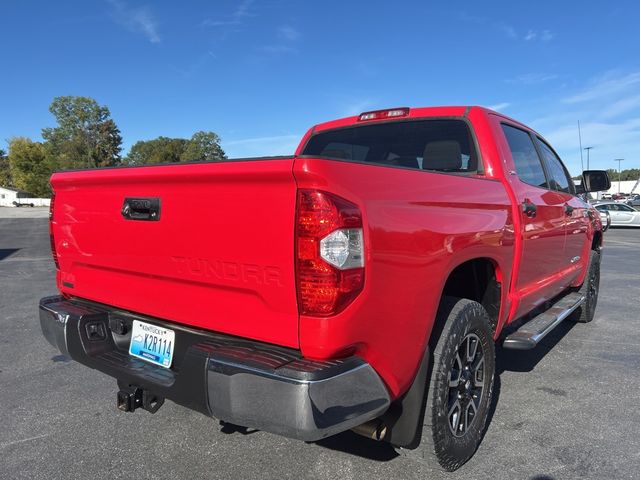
(558, 177)
(525, 156)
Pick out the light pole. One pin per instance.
(588, 149)
(619, 160)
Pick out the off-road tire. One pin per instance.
(457, 320)
(590, 288)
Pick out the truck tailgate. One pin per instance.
(219, 254)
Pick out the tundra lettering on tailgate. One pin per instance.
(230, 271)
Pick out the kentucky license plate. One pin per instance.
(151, 343)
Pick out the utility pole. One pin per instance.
(580, 141)
(588, 149)
(619, 160)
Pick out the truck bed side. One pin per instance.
(419, 227)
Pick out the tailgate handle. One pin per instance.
(141, 209)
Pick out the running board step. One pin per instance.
(530, 334)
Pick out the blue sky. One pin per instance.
(259, 73)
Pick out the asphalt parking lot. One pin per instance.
(568, 409)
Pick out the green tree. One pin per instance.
(5, 173)
(629, 174)
(85, 137)
(29, 166)
(159, 150)
(203, 146)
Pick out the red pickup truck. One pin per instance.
(361, 283)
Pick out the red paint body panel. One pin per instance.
(419, 227)
(547, 243)
(222, 257)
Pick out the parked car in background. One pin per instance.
(621, 214)
(619, 196)
(634, 201)
(606, 196)
(18, 203)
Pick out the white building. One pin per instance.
(10, 197)
(625, 186)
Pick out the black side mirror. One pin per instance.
(595, 180)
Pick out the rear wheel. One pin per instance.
(460, 386)
(589, 289)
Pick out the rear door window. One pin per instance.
(443, 145)
(525, 156)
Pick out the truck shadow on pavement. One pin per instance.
(354, 444)
(506, 360)
(526, 360)
(7, 252)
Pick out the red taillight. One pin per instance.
(384, 114)
(330, 263)
(54, 254)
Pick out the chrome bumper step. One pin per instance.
(530, 333)
(237, 380)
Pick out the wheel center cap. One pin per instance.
(467, 385)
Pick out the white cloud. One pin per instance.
(546, 35)
(622, 106)
(499, 106)
(277, 49)
(288, 33)
(603, 135)
(610, 84)
(243, 9)
(136, 19)
(532, 78)
(531, 35)
(610, 140)
(608, 109)
(509, 31)
(193, 68)
(287, 37)
(356, 107)
(219, 23)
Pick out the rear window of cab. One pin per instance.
(441, 145)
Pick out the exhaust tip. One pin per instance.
(373, 429)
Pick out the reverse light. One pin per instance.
(384, 114)
(343, 248)
(330, 253)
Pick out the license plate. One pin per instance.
(152, 343)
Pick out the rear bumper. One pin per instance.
(239, 381)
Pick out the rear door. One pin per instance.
(542, 214)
